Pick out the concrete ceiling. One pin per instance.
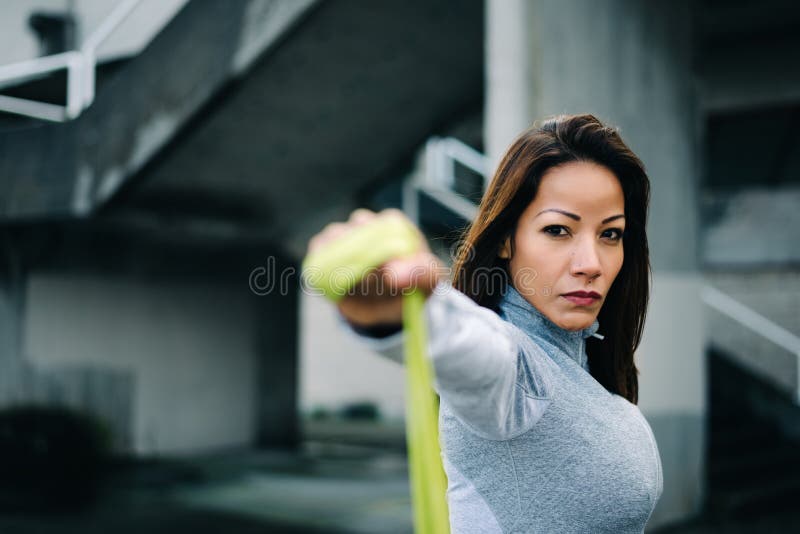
(347, 96)
(745, 54)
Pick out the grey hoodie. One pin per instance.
(531, 442)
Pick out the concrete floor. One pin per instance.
(323, 488)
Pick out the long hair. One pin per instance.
(483, 276)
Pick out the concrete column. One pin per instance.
(277, 320)
(628, 63)
(12, 280)
(510, 75)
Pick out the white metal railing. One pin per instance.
(756, 323)
(441, 156)
(80, 65)
(438, 181)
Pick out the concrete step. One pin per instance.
(769, 496)
(771, 462)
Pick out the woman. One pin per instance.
(533, 343)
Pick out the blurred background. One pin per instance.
(164, 162)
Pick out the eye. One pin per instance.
(614, 234)
(555, 230)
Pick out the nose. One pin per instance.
(585, 260)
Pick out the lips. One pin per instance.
(584, 294)
(582, 298)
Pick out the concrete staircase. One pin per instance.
(753, 464)
(773, 294)
(70, 169)
(261, 120)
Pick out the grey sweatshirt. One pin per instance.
(531, 442)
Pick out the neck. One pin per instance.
(525, 316)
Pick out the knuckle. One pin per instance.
(361, 212)
(394, 212)
(333, 227)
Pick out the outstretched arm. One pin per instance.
(481, 369)
(480, 366)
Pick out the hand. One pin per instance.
(377, 299)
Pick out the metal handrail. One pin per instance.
(438, 180)
(441, 155)
(81, 66)
(755, 322)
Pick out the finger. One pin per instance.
(328, 234)
(393, 212)
(361, 216)
(332, 231)
(433, 271)
(422, 270)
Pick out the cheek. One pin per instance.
(615, 262)
(525, 267)
(541, 262)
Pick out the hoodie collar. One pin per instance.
(522, 314)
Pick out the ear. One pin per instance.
(505, 249)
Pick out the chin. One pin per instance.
(575, 321)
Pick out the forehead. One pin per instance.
(580, 186)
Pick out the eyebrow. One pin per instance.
(578, 217)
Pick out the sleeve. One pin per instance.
(481, 368)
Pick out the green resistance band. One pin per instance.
(334, 269)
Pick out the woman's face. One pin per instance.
(569, 239)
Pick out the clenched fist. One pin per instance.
(377, 298)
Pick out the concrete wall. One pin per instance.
(185, 347)
(629, 63)
(337, 370)
(156, 330)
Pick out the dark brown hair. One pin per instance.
(483, 276)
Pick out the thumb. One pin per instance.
(422, 270)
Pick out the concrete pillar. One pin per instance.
(510, 75)
(277, 320)
(12, 280)
(629, 63)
